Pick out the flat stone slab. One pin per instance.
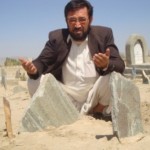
(49, 106)
(126, 115)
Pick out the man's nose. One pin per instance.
(78, 24)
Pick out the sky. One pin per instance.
(25, 24)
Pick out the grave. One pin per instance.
(50, 106)
(126, 115)
(136, 55)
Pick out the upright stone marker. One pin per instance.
(50, 106)
(3, 78)
(136, 50)
(126, 116)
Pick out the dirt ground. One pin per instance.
(85, 134)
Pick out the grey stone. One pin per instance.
(49, 106)
(126, 115)
(136, 51)
(145, 78)
(3, 78)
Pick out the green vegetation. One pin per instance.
(11, 62)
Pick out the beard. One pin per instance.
(78, 34)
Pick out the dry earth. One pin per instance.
(85, 134)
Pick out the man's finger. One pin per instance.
(22, 60)
(107, 52)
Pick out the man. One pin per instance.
(81, 58)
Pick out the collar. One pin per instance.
(69, 38)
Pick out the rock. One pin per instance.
(49, 106)
(126, 115)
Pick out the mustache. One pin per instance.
(77, 29)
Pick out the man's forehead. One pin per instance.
(81, 11)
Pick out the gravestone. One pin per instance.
(136, 51)
(3, 78)
(50, 106)
(126, 115)
(136, 56)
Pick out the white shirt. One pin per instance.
(79, 73)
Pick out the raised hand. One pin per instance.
(101, 60)
(28, 66)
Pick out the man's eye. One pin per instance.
(73, 20)
(82, 19)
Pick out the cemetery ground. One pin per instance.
(86, 133)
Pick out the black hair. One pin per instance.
(77, 4)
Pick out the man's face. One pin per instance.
(78, 23)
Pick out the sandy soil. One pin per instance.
(85, 134)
